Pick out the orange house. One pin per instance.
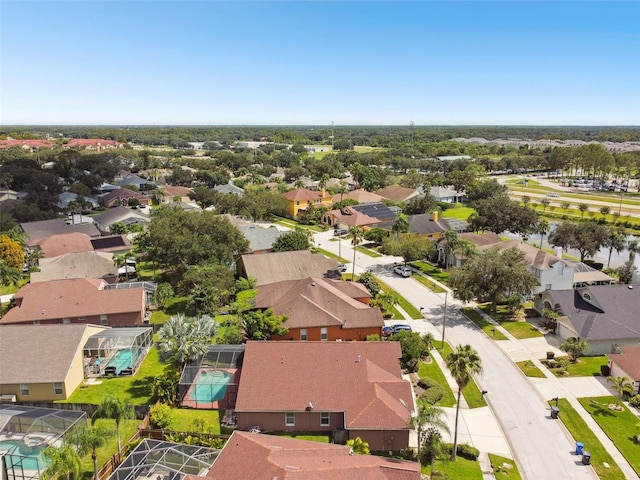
(322, 309)
(302, 198)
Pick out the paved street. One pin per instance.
(540, 445)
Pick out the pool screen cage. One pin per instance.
(160, 460)
(34, 427)
(219, 358)
(101, 352)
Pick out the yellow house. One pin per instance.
(43, 362)
(302, 198)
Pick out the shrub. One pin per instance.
(161, 415)
(433, 391)
(465, 451)
(635, 401)
(373, 338)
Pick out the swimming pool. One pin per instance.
(120, 361)
(17, 453)
(211, 385)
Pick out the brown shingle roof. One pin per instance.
(40, 353)
(56, 245)
(360, 195)
(302, 194)
(177, 191)
(628, 360)
(315, 302)
(361, 379)
(57, 226)
(396, 193)
(348, 216)
(245, 454)
(280, 266)
(79, 297)
(75, 265)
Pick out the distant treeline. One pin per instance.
(344, 136)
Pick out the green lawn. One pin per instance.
(314, 437)
(13, 288)
(127, 429)
(582, 433)
(502, 472)
(459, 212)
(430, 284)
(403, 303)
(584, 367)
(620, 427)
(368, 251)
(137, 389)
(471, 392)
(326, 253)
(482, 323)
(287, 222)
(529, 369)
(461, 469)
(159, 317)
(432, 370)
(519, 329)
(183, 420)
(434, 272)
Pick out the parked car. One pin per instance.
(402, 270)
(552, 194)
(340, 231)
(387, 331)
(400, 327)
(342, 267)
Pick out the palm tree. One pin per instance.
(634, 247)
(64, 462)
(182, 339)
(565, 206)
(622, 385)
(114, 408)
(427, 415)
(356, 239)
(545, 202)
(542, 228)
(616, 240)
(604, 211)
(463, 363)
(450, 236)
(526, 199)
(88, 440)
(8, 274)
(583, 207)
(400, 225)
(433, 447)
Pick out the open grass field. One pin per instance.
(529, 369)
(621, 427)
(581, 432)
(136, 389)
(459, 212)
(432, 370)
(482, 323)
(501, 471)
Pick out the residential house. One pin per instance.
(171, 194)
(229, 188)
(626, 363)
(122, 196)
(35, 231)
(366, 215)
(65, 198)
(442, 194)
(353, 389)
(75, 265)
(301, 199)
(279, 266)
(31, 145)
(44, 362)
(78, 300)
(428, 224)
(93, 143)
(280, 458)
(360, 195)
(122, 214)
(55, 245)
(319, 309)
(261, 239)
(398, 194)
(605, 316)
(142, 184)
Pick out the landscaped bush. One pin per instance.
(161, 415)
(465, 451)
(433, 391)
(635, 401)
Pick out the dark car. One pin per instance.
(400, 327)
(340, 231)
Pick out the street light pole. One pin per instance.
(444, 316)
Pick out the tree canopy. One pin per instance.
(585, 237)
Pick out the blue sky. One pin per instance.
(305, 62)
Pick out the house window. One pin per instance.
(24, 389)
(290, 419)
(298, 202)
(57, 388)
(66, 321)
(324, 419)
(547, 286)
(323, 333)
(81, 319)
(104, 319)
(303, 334)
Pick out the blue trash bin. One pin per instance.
(579, 448)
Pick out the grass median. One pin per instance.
(504, 468)
(483, 323)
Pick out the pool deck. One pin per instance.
(229, 399)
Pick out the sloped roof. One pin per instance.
(316, 302)
(615, 317)
(422, 224)
(376, 210)
(480, 239)
(279, 266)
(287, 458)
(44, 228)
(170, 190)
(229, 188)
(260, 238)
(350, 217)
(111, 243)
(80, 297)
(133, 180)
(396, 193)
(361, 379)
(117, 214)
(360, 195)
(40, 353)
(628, 360)
(56, 245)
(302, 194)
(442, 192)
(75, 265)
(121, 193)
(533, 256)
